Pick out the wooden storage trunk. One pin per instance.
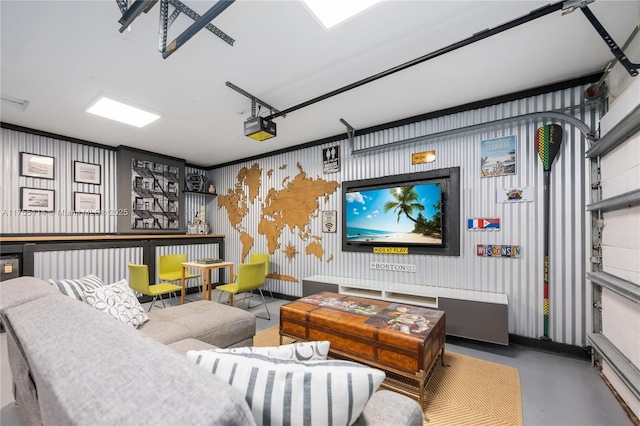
(373, 339)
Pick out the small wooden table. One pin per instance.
(206, 276)
(401, 339)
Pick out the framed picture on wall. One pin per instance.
(498, 156)
(37, 200)
(86, 173)
(38, 166)
(86, 202)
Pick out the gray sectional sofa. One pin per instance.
(74, 365)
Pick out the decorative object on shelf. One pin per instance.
(39, 166)
(37, 200)
(196, 182)
(201, 222)
(212, 189)
(86, 172)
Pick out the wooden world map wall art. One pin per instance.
(293, 206)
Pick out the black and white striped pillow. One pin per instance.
(283, 392)
(76, 288)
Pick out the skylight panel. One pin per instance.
(332, 12)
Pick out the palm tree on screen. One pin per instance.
(405, 202)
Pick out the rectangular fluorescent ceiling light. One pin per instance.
(333, 12)
(111, 107)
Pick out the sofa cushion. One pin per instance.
(299, 351)
(77, 288)
(119, 301)
(219, 325)
(91, 370)
(23, 289)
(292, 392)
(392, 408)
(185, 345)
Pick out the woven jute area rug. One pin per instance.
(469, 391)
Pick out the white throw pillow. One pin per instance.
(76, 288)
(299, 351)
(291, 392)
(119, 301)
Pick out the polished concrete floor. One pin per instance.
(556, 390)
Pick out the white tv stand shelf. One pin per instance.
(477, 315)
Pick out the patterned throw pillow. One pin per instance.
(291, 392)
(300, 351)
(119, 301)
(76, 288)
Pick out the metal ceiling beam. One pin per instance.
(254, 100)
(631, 68)
(199, 24)
(138, 7)
(123, 6)
(193, 15)
(533, 15)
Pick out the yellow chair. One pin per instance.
(139, 281)
(262, 257)
(250, 277)
(170, 268)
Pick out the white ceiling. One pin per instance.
(59, 55)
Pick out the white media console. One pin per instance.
(477, 315)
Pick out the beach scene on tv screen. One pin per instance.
(408, 214)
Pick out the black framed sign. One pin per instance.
(86, 173)
(38, 200)
(38, 166)
(86, 202)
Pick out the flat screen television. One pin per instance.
(414, 213)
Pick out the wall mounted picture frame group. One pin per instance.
(87, 173)
(37, 200)
(38, 166)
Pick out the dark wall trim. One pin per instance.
(42, 133)
(592, 78)
(559, 348)
(577, 352)
(145, 152)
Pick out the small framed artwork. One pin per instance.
(86, 172)
(37, 200)
(38, 166)
(86, 202)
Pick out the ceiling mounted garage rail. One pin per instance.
(538, 13)
(631, 67)
(568, 6)
(130, 13)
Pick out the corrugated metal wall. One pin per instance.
(521, 224)
(110, 265)
(63, 220)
